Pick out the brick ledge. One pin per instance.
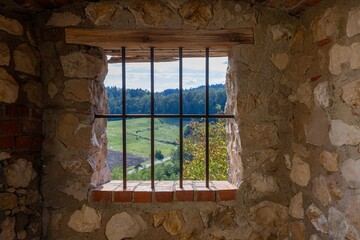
(165, 191)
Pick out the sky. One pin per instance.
(167, 74)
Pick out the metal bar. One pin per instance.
(207, 156)
(152, 110)
(181, 113)
(123, 53)
(163, 116)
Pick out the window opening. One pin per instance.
(181, 116)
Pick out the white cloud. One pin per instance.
(167, 74)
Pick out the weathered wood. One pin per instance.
(166, 41)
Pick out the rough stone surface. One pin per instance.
(280, 60)
(353, 24)
(196, 13)
(8, 201)
(317, 128)
(20, 167)
(11, 26)
(320, 190)
(280, 32)
(78, 90)
(63, 19)
(80, 65)
(351, 94)
(9, 89)
(4, 54)
(337, 223)
(85, 220)
(329, 161)
(263, 184)
(295, 208)
(297, 231)
(159, 218)
(4, 156)
(354, 59)
(317, 218)
(314, 237)
(344, 134)
(259, 136)
(222, 16)
(101, 13)
(33, 92)
(338, 55)
(52, 90)
(303, 94)
(326, 25)
(26, 60)
(300, 171)
(350, 170)
(173, 223)
(123, 225)
(334, 190)
(7, 227)
(322, 95)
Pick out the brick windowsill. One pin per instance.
(165, 191)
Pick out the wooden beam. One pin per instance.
(165, 41)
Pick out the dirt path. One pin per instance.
(114, 158)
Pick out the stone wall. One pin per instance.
(20, 129)
(294, 143)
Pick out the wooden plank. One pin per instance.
(163, 38)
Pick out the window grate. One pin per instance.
(152, 116)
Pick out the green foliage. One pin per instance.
(159, 155)
(194, 146)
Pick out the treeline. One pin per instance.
(167, 101)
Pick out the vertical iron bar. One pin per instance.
(152, 119)
(123, 60)
(207, 157)
(181, 115)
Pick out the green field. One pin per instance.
(138, 136)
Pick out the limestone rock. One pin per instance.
(222, 16)
(351, 93)
(21, 234)
(354, 59)
(102, 12)
(85, 220)
(317, 218)
(326, 25)
(314, 237)
(7, 227)
(259, 136)
(33, 92)
(20, 167)
(287, 161)
(78, 90)
(63, 19)
(76, 189)
(322, 95)
(11, 26)
(159, 218)
(350, 170)
(300, 171)
(173, 223)
(4, 54)
(8, 201)
(337, 223)
(26, 60)
(123, 225)
(353, 23)
(257, 158)
(9, 89)
(280, 60)
(52, 90)
(338, 55)
(300, 149)
(297, 230)
(263, 184)
(4, 156)
(344, 134)
(329, 161)
(80, 65)
(196, 13)
(334, 190)
(304, 94)
(317, 127)
(280, 32)
(295, 208)
(268, 215)
(320, 190)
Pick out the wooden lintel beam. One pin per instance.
(159, 38)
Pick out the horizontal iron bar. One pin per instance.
(163, 116)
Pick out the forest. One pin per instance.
(167, 101)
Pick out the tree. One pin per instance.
(194, 147)
(159, 155)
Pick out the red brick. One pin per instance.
(101, 196)
(19, 111)
(205, 195)
(186, 193)
(7, 142)
(32, 127)
(164, 196)
(226, 195)
(123, 196)
(36, 143)
(23, 142)
(143, 193)
(10, 127)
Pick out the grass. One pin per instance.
(138, 136)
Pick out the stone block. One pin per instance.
(63, 19)
(9, 88)
(123, 225)
(317, 127)
(85, 220)
(4, 54)
(350, 170)
(300, 171)
(353, 24)
(343, 134)
(11, 26)
(26, 59)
